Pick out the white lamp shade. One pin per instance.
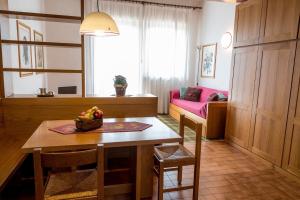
(99, 24)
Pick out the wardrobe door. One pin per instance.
(291, 159)
(241, 95)
(280, 20)
(247, 23)
(273, 95)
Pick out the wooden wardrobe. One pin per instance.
(264, 109)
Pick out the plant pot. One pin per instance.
(120, 90)
(89, 124)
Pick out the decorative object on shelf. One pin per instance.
(67, 90)
(99, 24)
(38, 50)
(89, 120)
(24, 50)
(120, 85)
(208, 60)
(226, 40)
(44, 93)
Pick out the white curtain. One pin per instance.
(89, 53)
(119, 55)
(167, 52)
(156, 50)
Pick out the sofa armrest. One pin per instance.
(214, 104)
(216, 118)
(174, 94)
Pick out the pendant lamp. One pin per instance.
(99, 24)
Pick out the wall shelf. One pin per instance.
(41, 16)
(9, 14)
(56, 44)
(41, 70)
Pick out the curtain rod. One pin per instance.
(155, 3)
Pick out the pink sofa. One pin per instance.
(211, 114)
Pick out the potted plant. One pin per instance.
(120, 85)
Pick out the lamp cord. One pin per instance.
(98, 5)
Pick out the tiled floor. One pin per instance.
(227, 173)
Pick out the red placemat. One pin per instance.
(106, 128)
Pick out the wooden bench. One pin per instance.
(11, 156)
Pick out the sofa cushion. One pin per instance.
(205, 92)
(212, 97)
(198, 108)
(174, 94)
(182, 92)
(192, 94)
(222, 97)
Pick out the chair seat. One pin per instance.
(72, 185)
(173, 153)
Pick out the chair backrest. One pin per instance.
(63, 160)
(195, 126)
(68, 159)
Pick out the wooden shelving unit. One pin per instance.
(49, 18)
(55, 44)
(41, 16)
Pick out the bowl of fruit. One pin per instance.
(89, 120)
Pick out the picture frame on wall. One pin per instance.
(24, 50)
(38, 50)
(208, 60)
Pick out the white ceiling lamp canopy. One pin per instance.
(99, 24)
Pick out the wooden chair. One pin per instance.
(174, 157)
(74, 184)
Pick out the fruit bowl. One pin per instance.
(88, 125)
(89, 120)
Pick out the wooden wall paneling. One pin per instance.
(2, 93)
(239, 111)
(291, 156)
(82, 52)
(273, 95)
(28, 113)
(280, 20)
(247, 23)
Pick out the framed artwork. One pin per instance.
(24, 50)
(208, 60)
(38, 50)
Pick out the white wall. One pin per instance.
(216, 19)
(63, 58)
(14, 84)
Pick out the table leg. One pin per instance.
(138, 172)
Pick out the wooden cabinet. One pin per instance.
(280, 20)
(241, 96)
(291, 158)
(273, 96)
(247, 23)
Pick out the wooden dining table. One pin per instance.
(142, 141)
